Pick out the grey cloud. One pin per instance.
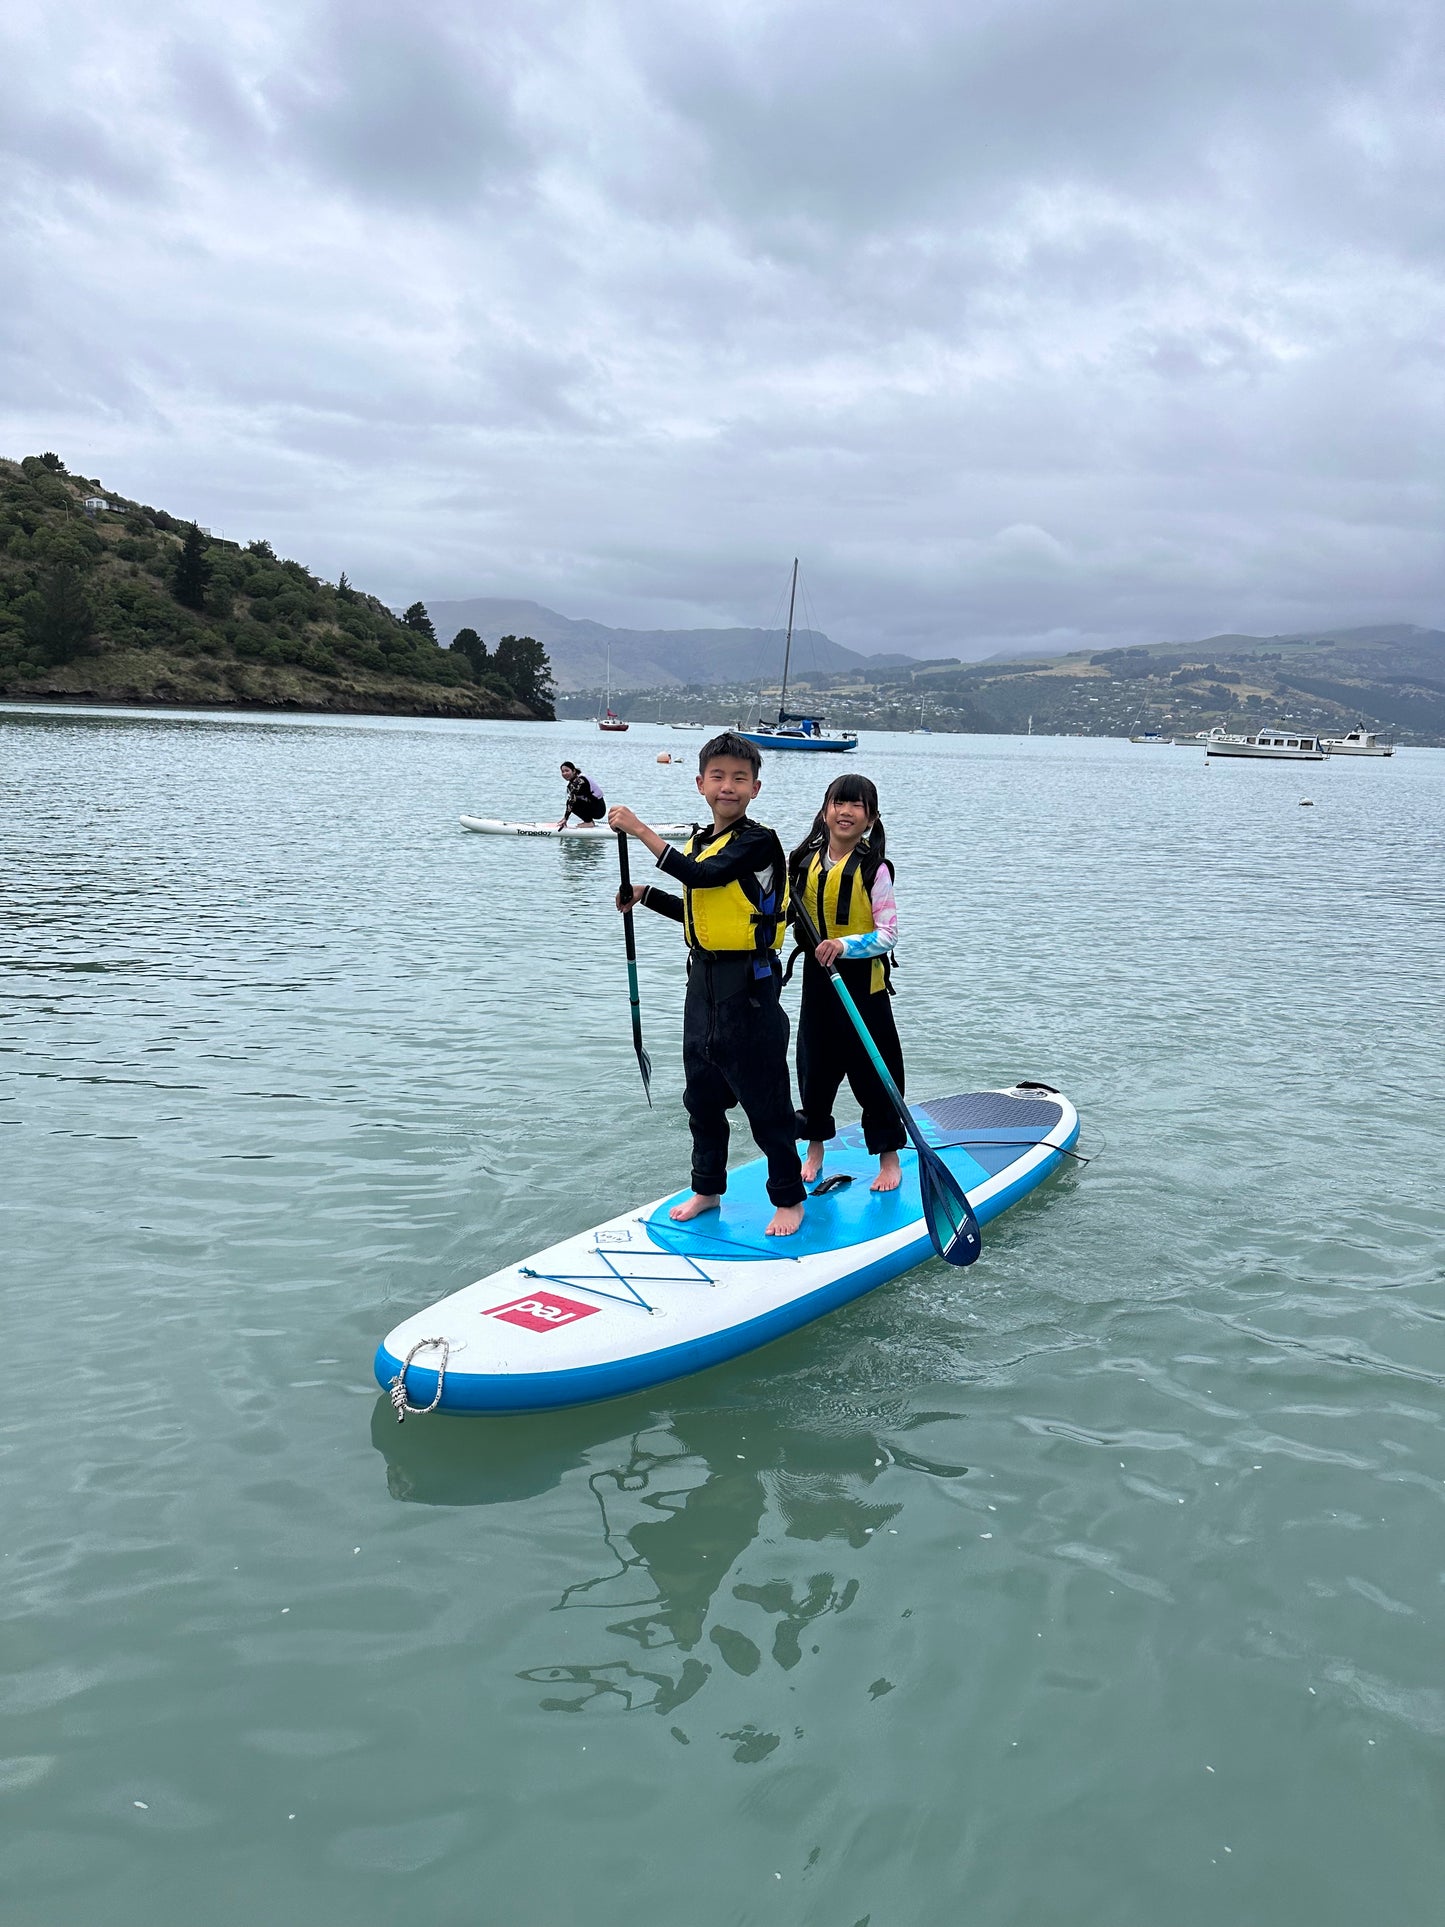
(1063, 321)
(414, 110)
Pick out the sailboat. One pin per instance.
(794, 731)
(607, 720)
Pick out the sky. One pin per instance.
(1023, 322)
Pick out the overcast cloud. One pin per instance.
(1053, 319)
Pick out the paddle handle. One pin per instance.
(624, 873)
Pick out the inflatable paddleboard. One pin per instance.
(588, 832)
(640, 1299)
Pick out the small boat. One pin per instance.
(1152, 737)
(608, 719)
(922, 728)
(1202, 738)
(687, 725)
(793, 731)
(1272, 745)
(1359, 742)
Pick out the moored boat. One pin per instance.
(609, 719)
(1358, 742)
(1272, 745)
(794, 731)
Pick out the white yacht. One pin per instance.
(1203, 737)
(1277, 745)
(1359, 742)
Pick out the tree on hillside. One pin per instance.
(344, 590)
(53, 461)
(523, 665)
(193, 571)
(417, 618)
(468, 643)
(57, 614)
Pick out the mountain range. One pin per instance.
(649, 658)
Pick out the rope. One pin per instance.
(397, 1388)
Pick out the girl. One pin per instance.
(845, 881)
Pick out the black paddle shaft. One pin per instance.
(624, 871)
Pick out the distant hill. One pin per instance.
(1389, 676)
(649, 658)
(108, 600)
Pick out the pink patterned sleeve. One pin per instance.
(884, 934)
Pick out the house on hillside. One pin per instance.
(95, 504)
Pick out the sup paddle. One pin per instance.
(644, 1062)
(946, 1211)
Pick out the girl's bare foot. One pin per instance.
(890, 1173)
(785, 1221)
(816, 1154)
(694, 1206)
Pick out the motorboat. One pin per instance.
(794, 731)
(1203, 737)
(1151, 736)
(1272, 745)
(1359, 742)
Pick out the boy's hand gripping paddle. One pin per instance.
(644, 1062)
(946, 1211)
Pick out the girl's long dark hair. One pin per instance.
(848, 788)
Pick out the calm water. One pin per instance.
(1101, 1585)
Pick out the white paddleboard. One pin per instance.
(641, 1300)
(587, 832)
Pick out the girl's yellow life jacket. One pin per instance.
(740, 916)
(840, 905)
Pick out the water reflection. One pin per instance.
(687, 1566)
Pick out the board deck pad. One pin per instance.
(643, 1299)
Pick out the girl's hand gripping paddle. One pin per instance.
(644, 1062)
(947, 1212)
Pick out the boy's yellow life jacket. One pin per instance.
(740, 916)
(840, 905)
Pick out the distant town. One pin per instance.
(1319, 684)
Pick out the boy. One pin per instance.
(734, 1029)
(584, 800)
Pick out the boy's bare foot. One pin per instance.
(890, 1172)
(816, 1154)
(785, 1221)
(694, 1206)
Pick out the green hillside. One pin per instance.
(1391, 678)
(124, 603)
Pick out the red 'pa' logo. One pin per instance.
(544, 1311)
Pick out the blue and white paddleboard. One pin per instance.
(640, 1299)
(574, 832)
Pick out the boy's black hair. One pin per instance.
(735, 748)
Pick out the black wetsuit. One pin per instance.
(583, 801)
(830, 1049)
(734, 1028)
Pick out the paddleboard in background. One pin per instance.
(587, 832)
(641, 1300)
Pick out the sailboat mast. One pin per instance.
(788, 645)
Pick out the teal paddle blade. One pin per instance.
(952, 1226)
